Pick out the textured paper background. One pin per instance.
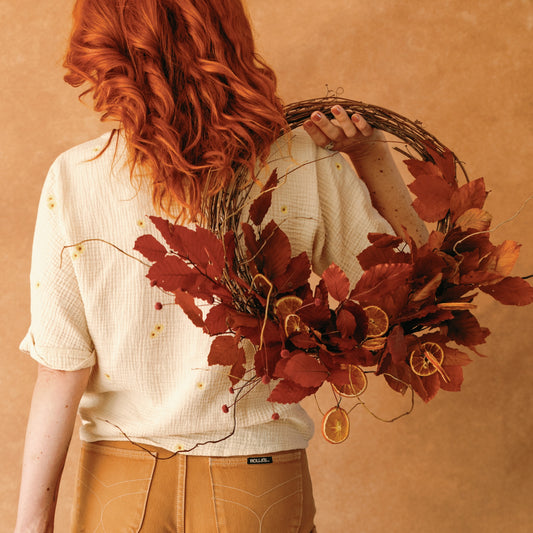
(463, 463)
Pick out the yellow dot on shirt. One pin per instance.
(200, 385)
(284, 209)
(180, 447)
(37, 284)
(141, 223)
(78, 250)
(107, 376)
(158, 328)
(51, 202)
(338, 165)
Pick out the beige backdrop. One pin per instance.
(463, 462)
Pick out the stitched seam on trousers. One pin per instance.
(147, 494)
(106, 485)
(299, 476)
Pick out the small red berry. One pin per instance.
(225, 409)
(275, 416)
(159, 306)
(285, 354)
(231, 390)
(318, 301)
(265, 379)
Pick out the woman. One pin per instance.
(193, 103)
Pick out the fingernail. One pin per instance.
(356, 118)
(336, 109)
(316, 115)
(307, 124)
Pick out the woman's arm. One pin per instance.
(374, 164)
(56, 396)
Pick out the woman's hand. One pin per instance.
(351, 135)
(368, 150)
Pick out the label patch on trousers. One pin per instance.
(259, 460)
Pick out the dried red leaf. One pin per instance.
(511, 291)
(431, 385)
(455, 378)
(479, 277)
(435, 240)
(433, 192)
(386, 286)
(474, 219)
(275, 249)
(261, 204)
(166, 229)
(170, 273)
(150, 247)
(375, 255)
(502, 259)
(287, 391)
(445, 162)
(216, 321)
(345, 323)
(454, 357)
(428, 290)
(267, 358)
(189, 307)
(396, 345)
(468, 196)
(226, 351)
(305, 370)
(296, 275)
(250, 239)
(464, 329)
(359, 356)
(384, 240)
(337, 282)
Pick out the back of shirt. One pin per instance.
(92, 304)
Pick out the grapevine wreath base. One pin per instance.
(409, 318)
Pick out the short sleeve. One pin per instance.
(346, 217)
(58, 336)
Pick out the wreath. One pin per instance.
(409, 318)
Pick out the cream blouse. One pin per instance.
(92, 305)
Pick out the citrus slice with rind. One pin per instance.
(336, 425)
(456, 306)
(292, 324)
(288, 305)
(357, 385)
(426, 359)
(375, 344)
(378, 321)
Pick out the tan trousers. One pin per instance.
(124, 489)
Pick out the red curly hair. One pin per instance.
(182, 77)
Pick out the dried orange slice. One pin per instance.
(357, 383)
(426, 359)
(336, 425)
(287, 305)
(378, 321)
(292, 324)
(456, 306)
(375, 344)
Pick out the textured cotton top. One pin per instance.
(92, 305)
